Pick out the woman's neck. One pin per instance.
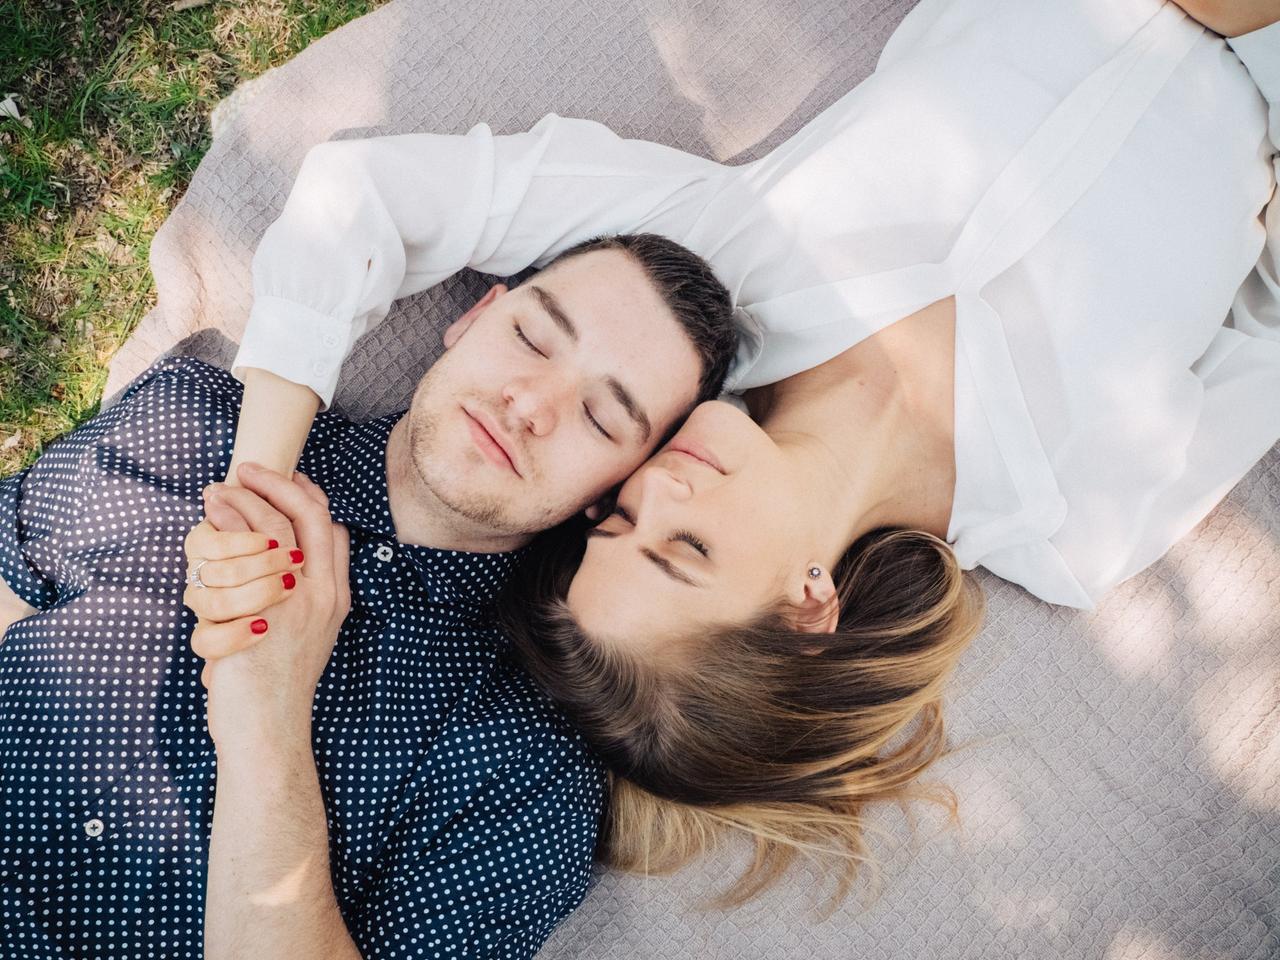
(872, 429)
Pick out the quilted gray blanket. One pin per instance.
(1118, 772)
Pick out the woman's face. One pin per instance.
(707, 531)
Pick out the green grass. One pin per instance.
(115, 97)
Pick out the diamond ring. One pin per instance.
(194, 577)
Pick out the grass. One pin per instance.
(115, 97)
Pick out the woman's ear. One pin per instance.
(460, 326)
(819, 609)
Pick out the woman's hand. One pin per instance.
(1232, 18)
(261, 686)
(275, 418)
(244, 573)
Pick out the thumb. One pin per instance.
(342, 567)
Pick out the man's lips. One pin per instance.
(696, 450)
(493, 443)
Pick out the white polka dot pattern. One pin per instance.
(462, 808)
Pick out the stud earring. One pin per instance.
(815, 573)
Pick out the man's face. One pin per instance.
(550, 394)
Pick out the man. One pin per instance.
(411, 794)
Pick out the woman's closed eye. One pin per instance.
(684, 536)
(679, 536)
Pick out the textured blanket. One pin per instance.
(1118, 772)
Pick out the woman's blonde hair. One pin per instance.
(759, 729)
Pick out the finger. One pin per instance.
(342, 567)
(312, 489)
(261, 514)
(204, 542)
(213, 641)
(224, 517)
(312, 525)
(237, 571)
(220, 604)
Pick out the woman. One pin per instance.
(985, 294)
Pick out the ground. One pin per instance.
(112, 100)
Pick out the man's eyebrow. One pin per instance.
(620, 393)
(624, 397)
(553, 308)
(663, 564)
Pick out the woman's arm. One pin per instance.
(369, 221)
(1232, 18)
(275, 418)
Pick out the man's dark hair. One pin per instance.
(690, 289)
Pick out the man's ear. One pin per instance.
(460, 326)
(819, 608)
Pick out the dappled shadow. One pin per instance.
(1118, 776)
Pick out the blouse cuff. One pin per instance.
(1259, 51)
(294, 342)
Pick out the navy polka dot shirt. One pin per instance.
(462, 808)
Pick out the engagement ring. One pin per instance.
(194, 576)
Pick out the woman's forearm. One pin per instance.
(275, 418)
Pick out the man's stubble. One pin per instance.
(493, 513)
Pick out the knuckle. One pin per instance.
(216, 604)
(278, 526)
(201, 643)
(192, 600)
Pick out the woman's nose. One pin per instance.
(658, 481)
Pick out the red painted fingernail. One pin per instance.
(289, 581)
(258, 626)
(295, 556)
(272, 544)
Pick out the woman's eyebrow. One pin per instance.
(669, 568)
(663, 564)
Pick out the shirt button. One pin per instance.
(330, 340)
(384, 552)
(94, 827)
(319, 368)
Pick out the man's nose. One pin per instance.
(535, 403)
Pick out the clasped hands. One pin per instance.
(275, 571)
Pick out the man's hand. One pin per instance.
(12, 608)
(262, 685)
(1232, 18)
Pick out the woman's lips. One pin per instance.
(696, 450)
(489, 443)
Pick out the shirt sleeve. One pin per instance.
(1256, 309)
(506, 869)
(369, 221)
(18, 567)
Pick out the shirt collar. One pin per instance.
(349, 462)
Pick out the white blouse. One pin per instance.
(1088, 180)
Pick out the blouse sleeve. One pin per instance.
(1256, 309)
(372, 220)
